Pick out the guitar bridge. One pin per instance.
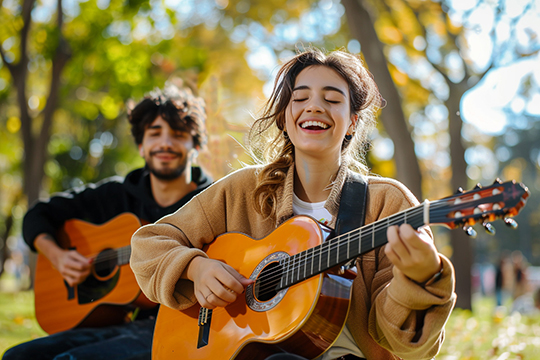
(205, 318)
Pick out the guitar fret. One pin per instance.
(372, 237)
(287, 272)
(305, 264)
(348, 244)
(320, 256)
(360, 242)
(293, 268)
(312, 260)
(281, 263)
(328, 257)
(299, 267)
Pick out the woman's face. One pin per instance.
(318, 115)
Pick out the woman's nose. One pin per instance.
(314, 105)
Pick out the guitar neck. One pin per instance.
(343, 248)
(123, 255)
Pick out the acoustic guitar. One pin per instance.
(108, 295)
(299, 301)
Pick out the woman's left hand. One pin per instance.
(413, 252)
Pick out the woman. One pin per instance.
(323, 108)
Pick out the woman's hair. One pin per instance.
(177, 106)
(266, 138)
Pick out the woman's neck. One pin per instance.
(313, 178)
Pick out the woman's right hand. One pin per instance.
(216, 284)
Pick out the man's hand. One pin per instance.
(73, 267)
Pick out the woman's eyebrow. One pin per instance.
(326, 88)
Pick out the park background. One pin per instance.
(461, 79)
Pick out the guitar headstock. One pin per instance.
(481, 204)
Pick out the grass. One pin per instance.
(484, 334)
(17, 321)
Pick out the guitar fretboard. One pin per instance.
(123, 255)
(341, 249)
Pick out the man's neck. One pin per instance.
(169, 192)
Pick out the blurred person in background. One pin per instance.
(169, 128)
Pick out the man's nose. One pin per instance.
(166, 140)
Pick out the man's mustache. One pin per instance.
(152, 153)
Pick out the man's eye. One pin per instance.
(181, 135)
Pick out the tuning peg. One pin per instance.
(497, 181)
(478, 186)
(511, 223)
(489, 228)
(459, 190)
(470, 231)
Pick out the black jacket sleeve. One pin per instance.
(93, 203)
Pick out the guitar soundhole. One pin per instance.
(267, 282)
(105, 263)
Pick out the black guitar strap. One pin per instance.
(352, 207)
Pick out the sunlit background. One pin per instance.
(462, 80)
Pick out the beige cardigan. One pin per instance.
(388, 310)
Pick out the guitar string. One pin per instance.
(377, 226)
(272, 275)
(328, 247)
(396, 217)
(119, 252)
(335, 243)
(434, 210)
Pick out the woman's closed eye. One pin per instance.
(332, 101)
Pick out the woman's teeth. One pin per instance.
(317, 124)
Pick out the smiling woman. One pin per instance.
(312, 134)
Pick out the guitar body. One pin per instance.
(103, 298)
(305, 318)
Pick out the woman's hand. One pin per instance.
(412, 252)
(216, 284)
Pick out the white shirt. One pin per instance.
(344, 343)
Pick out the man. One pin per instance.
(169, 129)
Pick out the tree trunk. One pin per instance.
(463, 251)
(362, 28)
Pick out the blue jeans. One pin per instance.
(132, 341)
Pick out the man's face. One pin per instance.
(165, 150)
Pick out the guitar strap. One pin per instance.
(352, 207)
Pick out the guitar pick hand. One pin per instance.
(73, 266)
(216, 283)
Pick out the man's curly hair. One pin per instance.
(177, 106)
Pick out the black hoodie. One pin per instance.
(100, 202)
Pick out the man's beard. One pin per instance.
(167, 173)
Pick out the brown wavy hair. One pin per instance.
(178, 106)
(266, 139)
